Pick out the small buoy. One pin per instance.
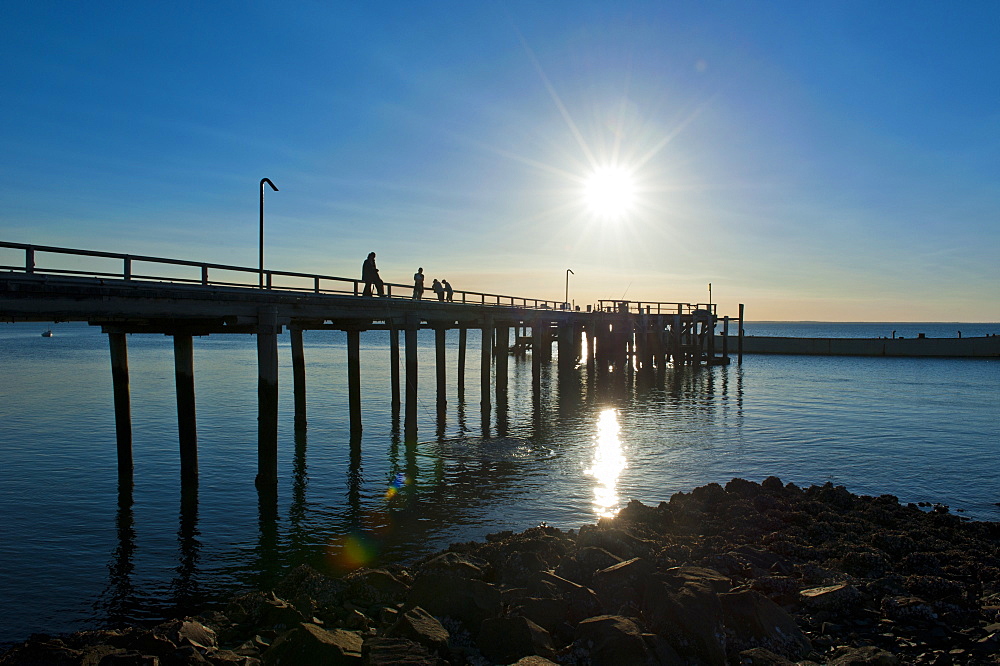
(47, 334)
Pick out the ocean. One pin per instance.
(80, 552)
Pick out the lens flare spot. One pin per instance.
(351, 551)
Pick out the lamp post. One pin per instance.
(568, 271)
(262, 181)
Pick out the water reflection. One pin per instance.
(607, 465)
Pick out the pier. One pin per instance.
(132, 294)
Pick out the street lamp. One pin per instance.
(568, 271)
(262, 181)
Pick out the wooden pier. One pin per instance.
(131, 294)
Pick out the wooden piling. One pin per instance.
(565, 346)
(187, 429)
(536, 353)
(463, 334)
(394, 363)
(410, 418)
(298, 376)
(725, 336)
(123, 409)
(354, 378)
(440, 337)
(267, 397)
(739, 342)
(502, 356)
(486, 360)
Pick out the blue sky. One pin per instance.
(814, 160)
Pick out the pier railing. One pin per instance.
(133, 267)
(656, 307)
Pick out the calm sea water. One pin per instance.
(79, 552)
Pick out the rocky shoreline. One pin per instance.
(749, 573)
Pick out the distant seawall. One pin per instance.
(978, 347)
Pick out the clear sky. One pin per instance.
(814, 160)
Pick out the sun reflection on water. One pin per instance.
(608, 463)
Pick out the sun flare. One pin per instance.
(609, 191)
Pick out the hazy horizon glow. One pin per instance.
(836, 162)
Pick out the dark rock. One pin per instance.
(868, 655)
(419, 626)
(310, 644)
(457, 564)
(835, 599)
(622, 584)
(369, 587)
(128, 659)
(761, 657)
(689, 618)
(383, 651)
(612, 640)
(753, 620)
(507, 639)
(466, 599)
(547, 613)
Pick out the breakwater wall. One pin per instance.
(974, 347)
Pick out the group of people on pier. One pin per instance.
(370, 276)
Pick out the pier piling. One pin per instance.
(267, 397)
(354, 378)
(187, 428)
(123, 408)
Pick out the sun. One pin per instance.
(609, 191)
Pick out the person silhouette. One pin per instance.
(369, 275)
(438, 289)
(449, 293)
(418, 284)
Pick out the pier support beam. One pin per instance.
(463, 335)
(394, 363)
(123, 408)
(299, 377)
(487, 358)
(354, 378)
(502, 353)
(187, 428)
(441, 367)
(536, 353)
(267, 398)
(567, 358)
(410, 419)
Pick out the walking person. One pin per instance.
(418, 284)
(369, 275)
(449, 293)
(438, 289)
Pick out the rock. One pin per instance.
(421, 627)
(689, 618)
(311, 644)
(368, 587)
(534, 660)
(187, 632)
(831, 598)
(127, 659)
(752, 620)
(761, 657)
(466, 599)
(710, 578)
(457, 564)
(385, 651)
(863, 656)
(622, 584)
(507, 639)
(612, 640)
(546, 613)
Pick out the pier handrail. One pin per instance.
(317, 283)
(655, 307)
